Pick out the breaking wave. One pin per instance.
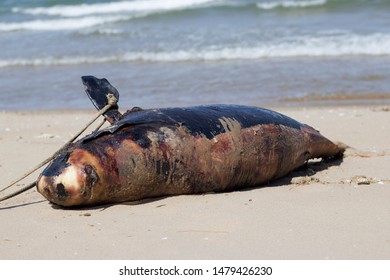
(290, 4)
(347, 45)
(70, 17)
(113, 7)
(61, 24)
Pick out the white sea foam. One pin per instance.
(346, 45)
(290, 4)
(56, 61)
(60, 24)
(373, 45)
(113, 7)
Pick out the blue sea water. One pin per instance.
(174, 53)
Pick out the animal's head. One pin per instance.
(70, 178)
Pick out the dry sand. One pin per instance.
(339, 212)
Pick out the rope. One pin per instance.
(112, 101)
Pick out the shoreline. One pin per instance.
(326, 215)
(294, 104)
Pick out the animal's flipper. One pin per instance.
(97, 91)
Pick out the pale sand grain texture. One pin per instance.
(341, 212)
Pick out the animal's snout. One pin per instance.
(69, 187)
(61, 192)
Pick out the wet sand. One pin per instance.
(335, 210)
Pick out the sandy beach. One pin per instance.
(333, 211)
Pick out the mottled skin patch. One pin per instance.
(177, 156)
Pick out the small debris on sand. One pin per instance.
(304, 180)
(362, 180)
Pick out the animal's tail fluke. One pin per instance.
(342, 148)
(322, 147)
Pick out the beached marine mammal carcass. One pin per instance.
(173, 151)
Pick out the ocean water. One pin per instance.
(176, 53)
